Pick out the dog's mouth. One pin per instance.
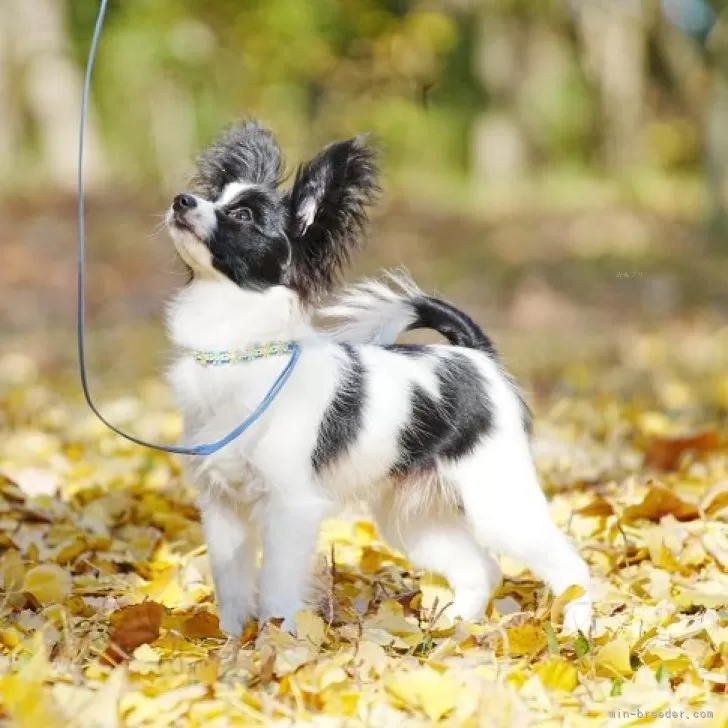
(176, 222)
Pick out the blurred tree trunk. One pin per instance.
(8, 128)
(50, 87)
(614, 46)
(717, 130)
(499, 146)
(717, 149)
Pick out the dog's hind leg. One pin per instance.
(509, 514)
(444, 544)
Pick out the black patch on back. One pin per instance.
(448, 427)
(343, 418)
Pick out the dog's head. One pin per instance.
(241, 225)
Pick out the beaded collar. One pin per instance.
(216, 358)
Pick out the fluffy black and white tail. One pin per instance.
(375, 313)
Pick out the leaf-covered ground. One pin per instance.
(108, 616)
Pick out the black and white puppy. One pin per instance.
(434, 438)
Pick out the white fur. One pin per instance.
(371, 312)
(262, 488)
(190, 247)
(231, 191)
(307, 213)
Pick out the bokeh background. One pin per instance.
(559, 167)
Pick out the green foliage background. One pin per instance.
(420, 74)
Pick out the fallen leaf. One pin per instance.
(207, 672)
(599, 507)
(659, 502)
(614, 657)
(310, 628)
(135, 625)
(526, 639)
(558, 674)
(23, 695)
(267, 664)
(12, 571)
(714, 503)
(70, 550)
(201, 625)
(665, 453)
(48, 583)
(410, 602)
(435, 694)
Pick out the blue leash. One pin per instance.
(272, 393)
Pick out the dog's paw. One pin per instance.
(578, 616)
(233, 619)
(285, 623)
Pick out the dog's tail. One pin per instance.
(371, 312)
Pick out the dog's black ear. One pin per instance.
(328, 213)
(247, 152)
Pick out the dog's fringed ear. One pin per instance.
(247, 152)
(328, 213)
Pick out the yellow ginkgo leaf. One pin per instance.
(434, 693)
(27, 704)
(23, 695)
(12, 571)
(48, 583)
(525, 639)
(614, 657)
(310, 628)
(558, 674)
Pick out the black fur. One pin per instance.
(338, 184)
(252, 253)
(344, 417)
(460, 330)
(448, 427)
(301, 238)
(455, 325)
(247, 152)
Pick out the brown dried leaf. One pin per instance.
(136, 625)
(201, 625)
(665, 453)
(599, 507)
(410, 601)
(660, 501)
(267, 664)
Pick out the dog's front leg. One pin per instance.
(290, 532)
(232, 544)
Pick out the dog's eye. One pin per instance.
(244, 214)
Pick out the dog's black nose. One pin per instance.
(183, 202)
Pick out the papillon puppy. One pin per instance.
(434, 438)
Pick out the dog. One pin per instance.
(434, 438)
